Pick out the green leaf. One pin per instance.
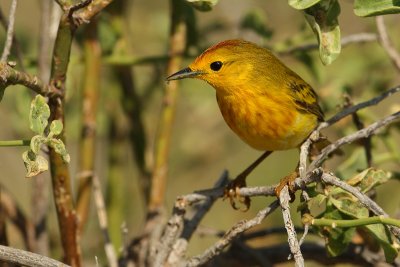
(302, 4)
(351, 208)
(369, 178)
(380, 233)
(36, 143)
(336, 239)
(203, 5)
(323, 19)
(39, 114)
(366, 8)
(34, 164)
(56, 127)
(59, 148)
(256, 20)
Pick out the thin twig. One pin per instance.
(386, 43)
(10, 31)
(237, 229)
(25, 258)
(304, 199)
(16, 46)
(102, 216)
(284, 199)
(363, 133)
(352, 109)
(45, 40)
(359, 125)
(354, 38)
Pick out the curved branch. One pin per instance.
(237, 229)
(354, 38)
(352, 109)
(10, 76)
(25, 258)
(386, 43)
(12, 210)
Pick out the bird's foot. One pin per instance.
(232, 191)
(287, 181)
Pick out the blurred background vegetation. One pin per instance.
(135, 34)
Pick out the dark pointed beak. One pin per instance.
(182, 74)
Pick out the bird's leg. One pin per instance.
(232, 189)
(288, 180)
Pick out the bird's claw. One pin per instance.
(232, 192)
(287, 181)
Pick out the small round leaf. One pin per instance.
(56, 127)
(39, 114)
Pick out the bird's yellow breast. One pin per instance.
(265, 121)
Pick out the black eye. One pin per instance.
(216, 65)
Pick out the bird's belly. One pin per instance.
(267, 126)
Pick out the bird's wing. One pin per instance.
(305, 99)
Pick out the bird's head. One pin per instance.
(225, 65)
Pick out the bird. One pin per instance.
(264, 102)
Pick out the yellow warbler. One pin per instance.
(264, 102)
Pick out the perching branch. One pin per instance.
(10, 32)
(317, 172)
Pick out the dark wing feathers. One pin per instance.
(305, 99)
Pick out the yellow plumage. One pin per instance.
(265, 103)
